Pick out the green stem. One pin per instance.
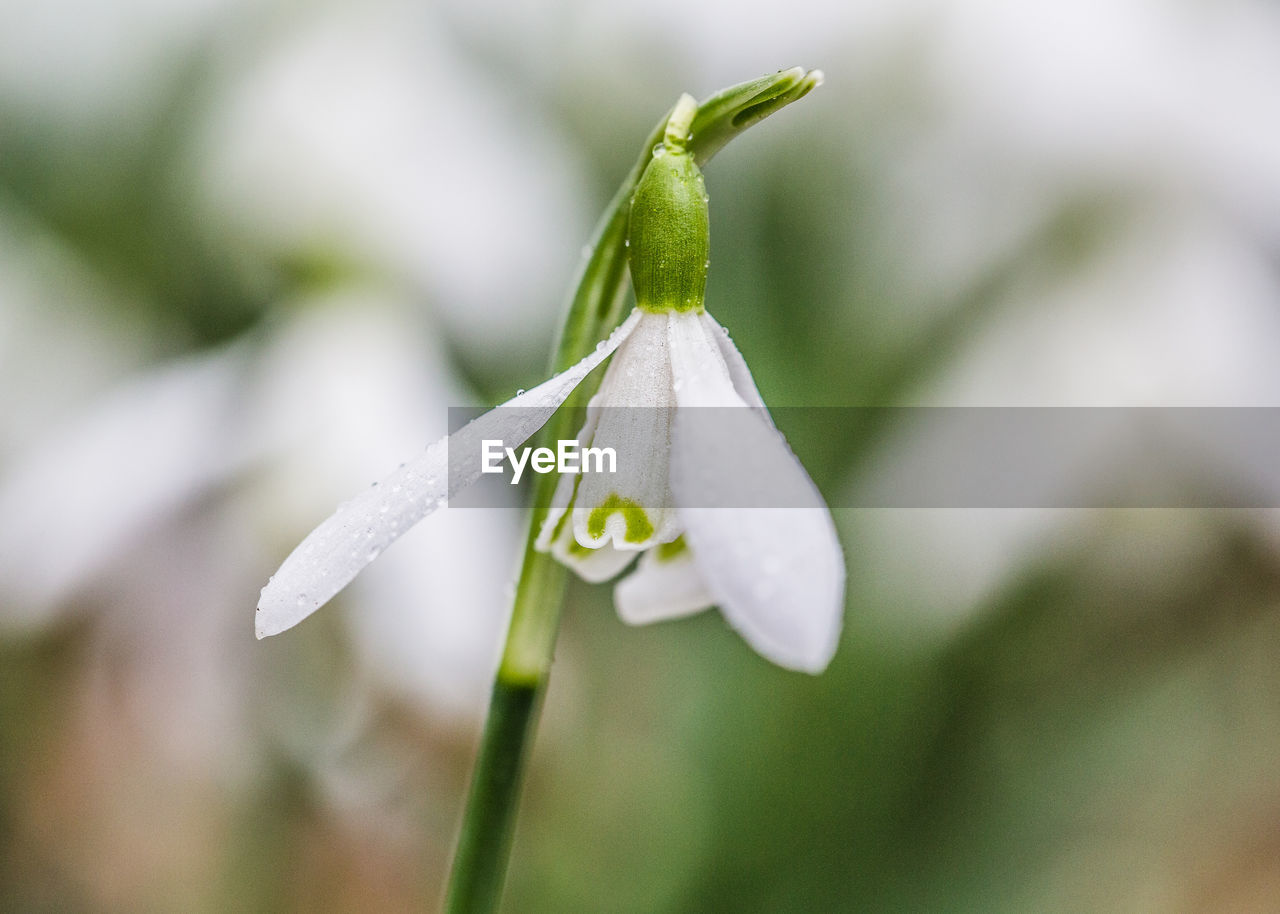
(484, 844)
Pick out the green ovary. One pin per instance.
(639, 527)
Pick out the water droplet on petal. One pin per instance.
(302, 599)
(519, 391)
(600, 345)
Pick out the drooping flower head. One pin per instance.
(696, 447)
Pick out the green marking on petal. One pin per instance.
(639, 527)
(665, 552)
(577, 550)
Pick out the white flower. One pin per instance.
(777, 574)
(685, 490)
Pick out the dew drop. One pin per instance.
(626, 243)
(600, 345)
(660, 150)
(519, 391)
(302, 599)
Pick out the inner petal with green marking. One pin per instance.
(639, 527)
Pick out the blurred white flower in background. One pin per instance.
(102, 67)
(69, 503)
(54, 311)
(364, 132)
(345, 382)
(1160, 120)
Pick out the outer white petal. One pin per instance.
(334, 552)
(661, 589)
(739, 373)
(776, 573)
(635, 402)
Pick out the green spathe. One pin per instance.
(670, 236)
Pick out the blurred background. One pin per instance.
(251, 252)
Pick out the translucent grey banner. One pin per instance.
(902, 457)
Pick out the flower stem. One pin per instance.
(484, 845)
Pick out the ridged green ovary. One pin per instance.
(669, 239)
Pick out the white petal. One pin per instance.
(339, 548)
(661, 588)
(567, 484)
(593, 565)
(632, 508)
(556, 534)
(739, 373)
(776, 573)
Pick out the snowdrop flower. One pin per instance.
(776, 573)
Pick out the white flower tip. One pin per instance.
(268, 620)
(808, 647)
(281, 608)
(816, 78)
